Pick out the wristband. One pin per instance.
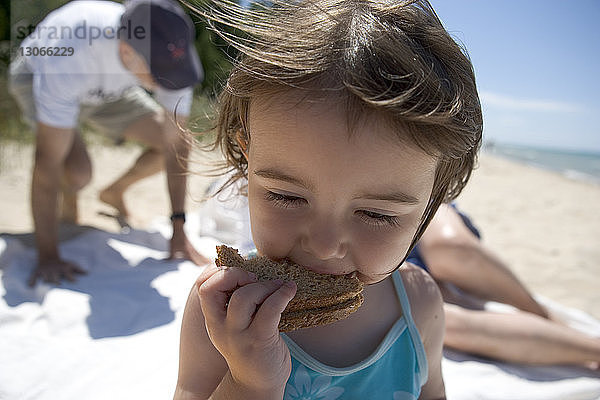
(178, 215)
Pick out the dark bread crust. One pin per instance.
(291, 321)
(320, 298)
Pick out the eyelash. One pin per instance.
(282, 200)
(371, 218)
(377, 219)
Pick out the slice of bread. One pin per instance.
(320, 298)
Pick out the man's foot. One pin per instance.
(122, 221)
(115, 200)
(68, 208)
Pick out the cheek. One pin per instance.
(379, 253)
(273, 234)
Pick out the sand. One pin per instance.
(544, 225)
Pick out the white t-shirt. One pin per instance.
(94, 73)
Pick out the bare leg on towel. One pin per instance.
(457, 258)
(151, 161)
(520, 337)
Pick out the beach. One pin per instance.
(543, 224)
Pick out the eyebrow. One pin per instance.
(281, 176)
(394, 197)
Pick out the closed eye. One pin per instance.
(284, 200)
(369, 217)
(377, 219)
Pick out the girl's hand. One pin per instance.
(243, 327)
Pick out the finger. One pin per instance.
(51, 276)
(199, 259)
(72, 270)
(269, 313)
(33, 278)
(206, 273)
(244, 301)
(215, 291)
(68, 274)
(194, 256)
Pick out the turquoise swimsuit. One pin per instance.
(395, 371)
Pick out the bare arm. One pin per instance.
(428, 313)
(201, 366)
(52, 147)
(176, 151)
(231, 349)
(203, 371)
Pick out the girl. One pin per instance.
(352, 121)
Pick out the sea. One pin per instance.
(576, 165)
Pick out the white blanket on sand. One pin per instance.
(114, 334)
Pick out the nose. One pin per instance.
(324, 239)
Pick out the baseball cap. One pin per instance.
(163, 34)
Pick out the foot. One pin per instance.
(123, 222)
(115, 200)
(68, 209)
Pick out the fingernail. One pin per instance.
(252, 276)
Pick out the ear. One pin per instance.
(242, 142)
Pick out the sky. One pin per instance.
(537, 65)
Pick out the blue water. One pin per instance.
(578, 165)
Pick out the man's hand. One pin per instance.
(182, 248)
(53, 271)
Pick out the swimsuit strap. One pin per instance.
(412, 328)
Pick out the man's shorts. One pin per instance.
(110, 119)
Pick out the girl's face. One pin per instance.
(333, 202)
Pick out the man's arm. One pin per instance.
(177, 150)
(52, 147)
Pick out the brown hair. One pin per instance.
(391, 58)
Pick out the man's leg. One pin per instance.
(148, 131)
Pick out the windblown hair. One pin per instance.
(388, 58)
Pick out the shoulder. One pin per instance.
(420, 286)
(426, 302)
(427, 307)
